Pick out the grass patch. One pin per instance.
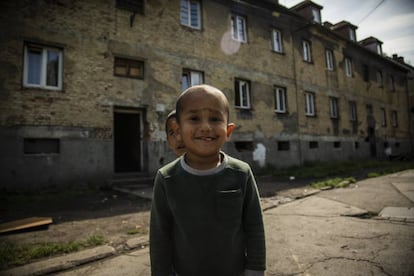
(12, 254)
(337, 182)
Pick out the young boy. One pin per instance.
(206, 217)
(171, 129)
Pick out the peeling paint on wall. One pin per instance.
(259, 155)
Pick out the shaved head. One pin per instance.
(201, 90)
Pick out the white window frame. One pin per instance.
(190, 78)
(277, 42)
(352, 111)
(329, 59)
(280, 99)
(306, 51)
(394, 118)
(42, 67)
(383, 117)
(190, 13)
(238, 28)
(310, 104)
(333, 107)
(243, 88)
(348, 67)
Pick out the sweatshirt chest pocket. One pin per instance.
(229, 204)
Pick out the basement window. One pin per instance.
(41, 146)
(337, 145)
(313, 145)
(283, 146)
(244, 146)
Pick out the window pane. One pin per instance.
(52, 71)
(185, 82)
(196, 78)
(194, 14)
(34, 65)
(184, 12)
(244, 91)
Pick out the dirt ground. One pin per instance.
(78, 215)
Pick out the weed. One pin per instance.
(337, 182)
(12, 254)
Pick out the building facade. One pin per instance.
(86, 86)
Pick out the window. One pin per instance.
(383, 117)
(128, 68)
(131, 5)
(242, 94)
(329, 60)
(379, 78)
(190, 13)
(190, 78)
(313, 144)
(379, 49)
(283, 145)
(41, 145)
(244, 146)
(306, 51)
(337, 144)
(394, 118)
(333, 107)
(310, 104)
(316, 14)
(42, 67)
(392, 84)
(277, 43)
(366, 72)
(280, 100)
(352, 35)
(348, 67)
(352, 111)
(238, 28)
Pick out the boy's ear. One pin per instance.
(230, 128)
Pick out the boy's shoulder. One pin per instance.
(170, 168)
(236, 164)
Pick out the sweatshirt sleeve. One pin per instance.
(160, 231)
(254, 227)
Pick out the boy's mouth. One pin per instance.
(206, 138)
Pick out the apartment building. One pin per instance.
(86, 86)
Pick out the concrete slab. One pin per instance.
(406, 188)
(63, 262)
(398, 213)
(318, 206)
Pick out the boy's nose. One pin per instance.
(205, 125)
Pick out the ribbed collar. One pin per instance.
(211, 171)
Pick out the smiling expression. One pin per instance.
(203, 124)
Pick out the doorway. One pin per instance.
(127, 141)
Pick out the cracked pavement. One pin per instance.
(333, 232)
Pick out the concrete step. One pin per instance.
(137, 184)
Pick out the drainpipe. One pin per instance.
(297, 91)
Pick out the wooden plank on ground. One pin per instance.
(24, 223)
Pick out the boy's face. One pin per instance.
(203, 124)
(172, 137)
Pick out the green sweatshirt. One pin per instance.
(206, 222)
